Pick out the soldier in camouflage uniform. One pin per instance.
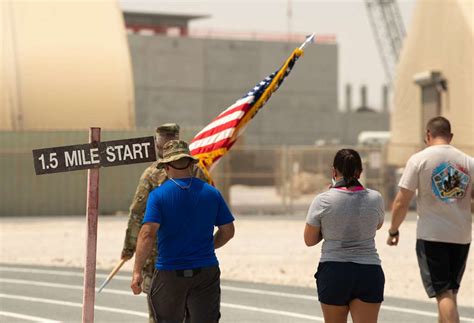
(151, 178)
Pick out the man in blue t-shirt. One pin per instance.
(183, 211)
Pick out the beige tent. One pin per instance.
(64, 65)
(435, 76)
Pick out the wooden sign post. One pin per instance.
(92, 211)
(92, 156)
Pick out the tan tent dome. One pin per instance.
(438, 49)
(64, 65)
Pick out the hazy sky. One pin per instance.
(359, 60)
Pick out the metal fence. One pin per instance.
(253, 179)
(286, 179)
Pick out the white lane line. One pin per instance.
(224, 287)
(58, 272)
(410, 311)
(121, 292)
(270, 311)
(27, 317)
(269, 293)
(64, 286)
(314, 298)
(71, 304)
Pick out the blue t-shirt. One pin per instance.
(187, 218)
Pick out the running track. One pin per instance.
(52, 294)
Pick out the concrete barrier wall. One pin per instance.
(277, 169)
(24, 193)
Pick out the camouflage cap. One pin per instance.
(174, 150)
(168, 129)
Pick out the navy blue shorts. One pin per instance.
(339, 283)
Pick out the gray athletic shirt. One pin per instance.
(348, 222)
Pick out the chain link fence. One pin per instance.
(286, 179)
(254, 180)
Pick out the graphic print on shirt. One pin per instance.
(449, 182)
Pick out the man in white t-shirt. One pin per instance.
(441, 176)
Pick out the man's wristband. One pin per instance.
(393, 234)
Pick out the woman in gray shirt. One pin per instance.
(349, 276)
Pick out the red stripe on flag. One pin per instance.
(224, 143)
(213, 131)
(242, 107)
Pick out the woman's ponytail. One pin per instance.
(348, 163)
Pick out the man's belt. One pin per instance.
(188, 272)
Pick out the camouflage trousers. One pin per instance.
(147, 273)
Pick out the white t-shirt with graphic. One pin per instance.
(441, 175)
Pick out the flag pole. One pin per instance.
(208, 155)
(271, 88)
(111, 275)
(307, 41)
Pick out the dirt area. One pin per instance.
(266, 249)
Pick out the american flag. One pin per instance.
(216, 139)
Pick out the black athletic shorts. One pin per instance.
(339, 283)
(441, 265)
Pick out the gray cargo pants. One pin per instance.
(193, 295)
